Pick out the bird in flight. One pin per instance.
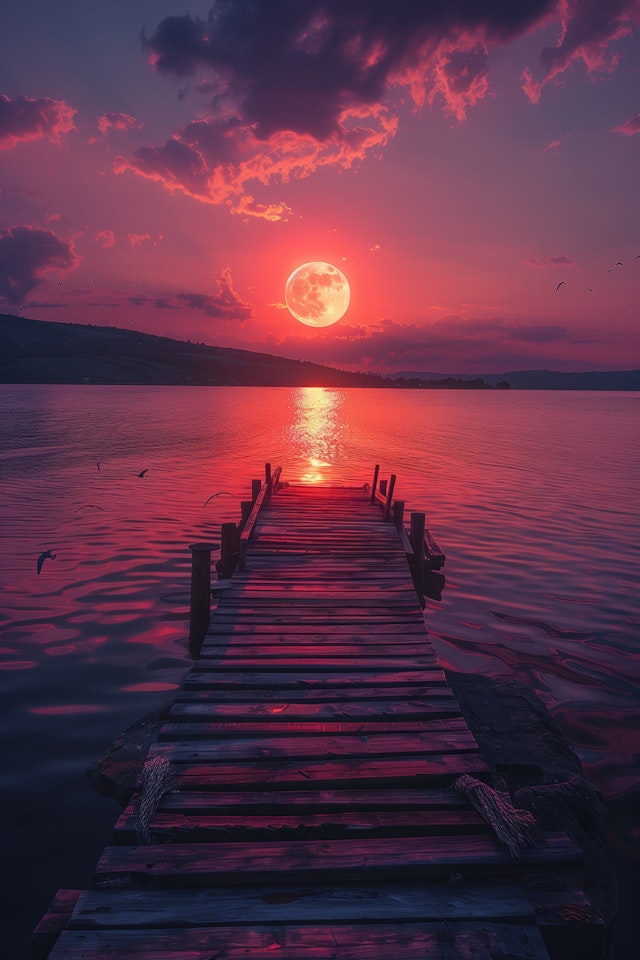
(46, 555)
(142, 472)
(591, 289)
(561, 284)
(220, 493)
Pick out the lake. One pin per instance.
(532, 496)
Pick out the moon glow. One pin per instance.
(317, 294)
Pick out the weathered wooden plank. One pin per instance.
(193, 727)
(199, 827)
(53, 923)
(311, 678)
(282, 712)
(322, 861)
(419, 695)
(229, 661)
(495, 901)
(248, 747)
(310, 800)
(434, 770)
(398, 941)
(266, 647)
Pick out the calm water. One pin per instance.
(532, 496)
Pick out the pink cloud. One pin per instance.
(117, 121)
(26, 254)
(629, 127)
(24, 119)
(137, 239)
(105, 239)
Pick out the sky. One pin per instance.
(471, 167)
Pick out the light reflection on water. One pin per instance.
(531, 496)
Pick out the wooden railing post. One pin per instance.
(256, 487)
(417, 542)
(246, 507)
(200, 610)
(383, 487)
(387, 507)
(228, 550)
(374, 485)
(267, 477)
(398, 513)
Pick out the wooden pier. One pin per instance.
(313, 751)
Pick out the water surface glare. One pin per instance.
(532, 496)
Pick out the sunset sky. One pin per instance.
(473, 169)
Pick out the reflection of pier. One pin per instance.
(311, 811)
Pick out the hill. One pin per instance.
(37, 351)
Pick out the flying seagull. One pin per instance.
(218, 494)
(561, 284)
(142, 472)
(591, 289)
(46, 555)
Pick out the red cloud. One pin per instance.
(27, 253)
(117, 121)
(24, 119)
(629, 127)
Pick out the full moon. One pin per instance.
(317, 294)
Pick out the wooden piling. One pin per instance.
(200, 610)
(256, 487)
(374, 485)
(398, 513)
(246, 507)
(268, 481)
(387, 507)
(228, 550)
(417, 542)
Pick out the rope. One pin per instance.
(514, 827)
(156, 781)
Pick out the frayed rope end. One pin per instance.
(513, 827)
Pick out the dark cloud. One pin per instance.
(160, 303)
(587, 27)
(291, 65)
(23, 119)
(25, 254)
(225, 304)
(295, 85)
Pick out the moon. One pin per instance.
(317, 294)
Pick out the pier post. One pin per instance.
(374, 485)
(246, 506)
(200, 610)
(228, 550)
(417, 542)
(387, 507)
(398, 513)
(256, 486)
(267, 477)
